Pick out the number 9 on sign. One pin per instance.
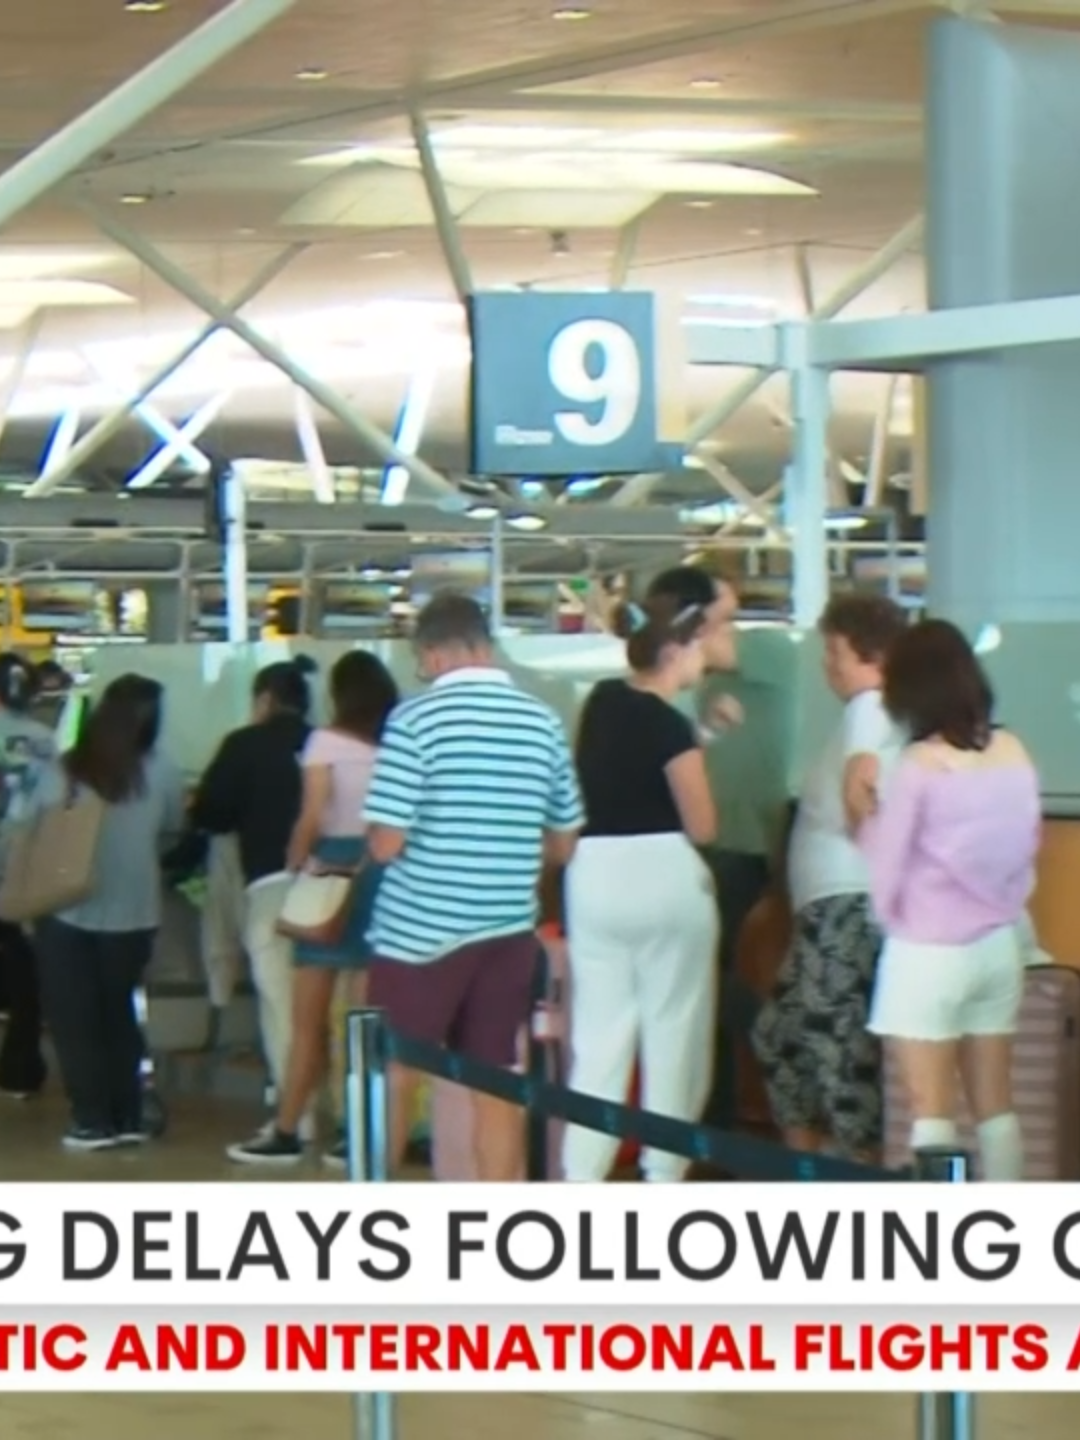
(615, 386)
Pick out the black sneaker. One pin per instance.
(337, 1157)
(83, 1137)
(267, 1148)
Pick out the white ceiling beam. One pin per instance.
(63, 437)
(906, 342)
(111, 425)
(26, 96)
(860, 280)
(410, 431)
(636, 491)
(160, 426)
(804, 278)
(644, 106)
(625, 251)
(753, 504)
(324, 395)
(446, 226)
(756, 347)
(357, 110)
(307, 432)
(25, 341)
(144, 92)
(184, 438)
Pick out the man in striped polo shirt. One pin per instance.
(474, 788)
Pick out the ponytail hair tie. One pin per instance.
(637, 617)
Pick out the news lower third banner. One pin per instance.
(524, 1287)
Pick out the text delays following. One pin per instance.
(566, 1245)
(292, 1354)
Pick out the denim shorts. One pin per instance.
(352, 952)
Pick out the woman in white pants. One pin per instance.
(641, 911)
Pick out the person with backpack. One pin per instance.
(253, 789)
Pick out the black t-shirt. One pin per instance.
(626, 739)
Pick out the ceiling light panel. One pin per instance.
(557, 209)
(512, 137)
(490, 160)
(46, 265)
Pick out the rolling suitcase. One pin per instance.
(451, 1112)
(1046, 1082)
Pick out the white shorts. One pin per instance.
(944, 992)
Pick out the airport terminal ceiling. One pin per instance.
(739, 158)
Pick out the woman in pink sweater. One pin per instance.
(951, 848)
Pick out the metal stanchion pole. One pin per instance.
(367, 1129)
(944, 1417)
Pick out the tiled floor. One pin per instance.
(193, 1151)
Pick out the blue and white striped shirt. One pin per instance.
(475, 771)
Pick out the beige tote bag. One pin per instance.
(49, 864)
(317, 906)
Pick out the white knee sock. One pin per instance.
(1001, 1148)
(927, 1134)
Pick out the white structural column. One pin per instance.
(234, 516)
(111, 425)
(64, 152)
(321, 393)
(807, 501)
(878, 463)
(625, 250)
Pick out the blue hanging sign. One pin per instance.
(564, 384)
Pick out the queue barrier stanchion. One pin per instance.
(747, 1156)
(367, 1134)
(944, 1416)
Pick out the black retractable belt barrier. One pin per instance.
(744, 1156)
(372, 1047)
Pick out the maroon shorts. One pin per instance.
(474, 1000)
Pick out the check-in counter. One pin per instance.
(1055, 907)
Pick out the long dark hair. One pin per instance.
(119, 732)
(362, 694)
(934, 685)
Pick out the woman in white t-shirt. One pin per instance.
(822, 1067)
(337, 764)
